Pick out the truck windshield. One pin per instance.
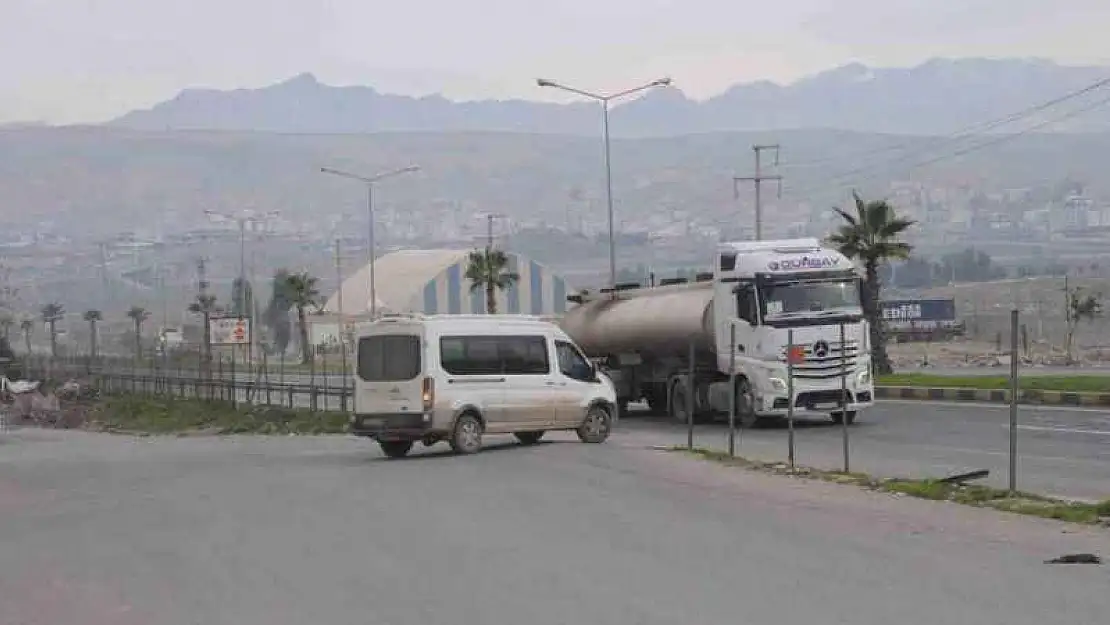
(803, 298)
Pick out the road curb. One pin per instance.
(996, 396)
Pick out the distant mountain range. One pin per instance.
(936, 97)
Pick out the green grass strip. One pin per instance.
(967, 494)
(1061, 383)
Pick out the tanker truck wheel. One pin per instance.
(679, 410)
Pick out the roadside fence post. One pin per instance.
(790, 356)
(312, 378)
(844, 395)
(690, 399)
(232, 387)
(220, 377)
(327, 378)
(1013, 398)
(344, 370)
(343, 384)
(731, 390)
(266, 372)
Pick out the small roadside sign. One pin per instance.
(230, 331)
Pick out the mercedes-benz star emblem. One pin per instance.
(820, 349)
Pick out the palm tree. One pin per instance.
(93, 317)
(872, 236)
(52, 313)
(204, 306)
(28, 327)
(138, 315)
(276, 315)
(300, 291)
(489, 269)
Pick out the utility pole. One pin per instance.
(489, 228)
(163, 295)
(757, 181)
(106, 285)
(202, 281)
(205, 311)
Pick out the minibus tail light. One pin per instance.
(428, 393)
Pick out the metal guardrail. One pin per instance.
(320, 394)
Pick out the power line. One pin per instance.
(973, 129)
(1016, 135)
(966, 132)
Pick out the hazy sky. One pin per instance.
(89, 60)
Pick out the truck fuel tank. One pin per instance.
(660, 321)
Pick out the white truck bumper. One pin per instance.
(814, 400)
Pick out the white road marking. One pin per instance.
(996, 406)
(1040, 428)
(1069, 460)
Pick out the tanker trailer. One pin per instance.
(661, 344)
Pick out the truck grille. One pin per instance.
(825, 360)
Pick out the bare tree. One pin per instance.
(93, 317)
(52, 313)
(1080, 307)
(138, 315)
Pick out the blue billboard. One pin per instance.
(919, 309)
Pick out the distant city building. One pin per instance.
(1077, 212)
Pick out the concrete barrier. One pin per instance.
(1046, 398)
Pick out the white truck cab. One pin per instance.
(456, 377)
(770, 290)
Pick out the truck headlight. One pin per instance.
(863, 378)
(777, 385)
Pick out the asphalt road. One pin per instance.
(104, 530)
(1061, 451)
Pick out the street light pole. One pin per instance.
(372, 248)
(609, 204)
(243, 268)
(369, 181)
(605, 99)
